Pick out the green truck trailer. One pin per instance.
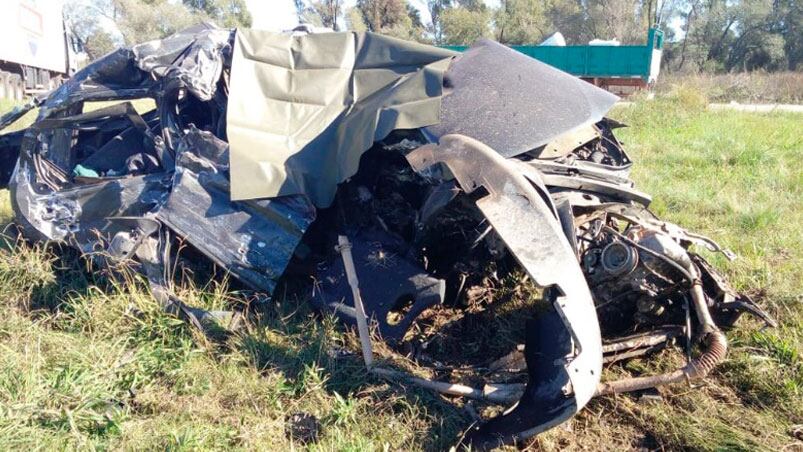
(620, 69)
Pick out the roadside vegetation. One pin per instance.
(89, 363)
(756, 87)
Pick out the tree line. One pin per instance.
(700, 35)
(100, 26)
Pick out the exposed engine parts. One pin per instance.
(473, 211)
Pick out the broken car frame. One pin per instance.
(265, 151)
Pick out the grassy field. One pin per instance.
(85, 364)
(744, 87)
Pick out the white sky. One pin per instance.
(276, 15)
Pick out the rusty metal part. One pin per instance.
(569, 141)
(492, 393)
(621, 356)
(646, 219)
(497, 395)
(595, 186)
(642, 340)
(684, 271)
(639, 345)
(716, 347)
(581, 168)
(344, 247)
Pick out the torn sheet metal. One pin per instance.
(303, 109)
(113, 76)
(254, 239)
(615, 191)
(393, 301)
(566, 143)
(194, 57)
(514, 103)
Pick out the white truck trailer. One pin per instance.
(37, 50)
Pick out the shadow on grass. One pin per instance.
(318, 343)
(40, 277)
(316, 347)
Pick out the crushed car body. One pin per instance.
(444, 171)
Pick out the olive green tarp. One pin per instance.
(303, 109)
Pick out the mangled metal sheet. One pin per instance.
(253, 239)
(194, 57)
(514, 103)
(303, 109)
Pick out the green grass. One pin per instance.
(89, 364)
(6, 106)
(745, 87)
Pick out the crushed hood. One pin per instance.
(303, 109)
(514, 103)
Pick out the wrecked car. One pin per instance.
(399, 179)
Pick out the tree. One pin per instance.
(102, 25)
(690, 17)
(414, 15)
(379, 15)
(436, 7)
(754, 44)
(624, 20)
(395, 18)
(226, 13)
(329, 11)
(354, 20)
(521, 22)
(568, 17)
(462, 26)
(86, 20)
(472, 5)
(98, 44)
(323, 13)
(301, 7)
(729, 35)
(139, 21)
(789, 25)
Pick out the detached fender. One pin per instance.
(563, 348)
